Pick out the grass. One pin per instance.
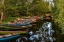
(7, 19)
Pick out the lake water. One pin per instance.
(38, 33)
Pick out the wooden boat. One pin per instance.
(12, 35)
(9, 38)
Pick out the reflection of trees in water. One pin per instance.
(57, 34)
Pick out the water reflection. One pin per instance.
(48, 31)
(44, 34)
(18, 40)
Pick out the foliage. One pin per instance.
(14, 7)
(7, 19)
(39, 7)
(59, 13)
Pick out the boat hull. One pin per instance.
(7, 39)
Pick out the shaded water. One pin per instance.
(44, 31)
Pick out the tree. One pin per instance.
(25, 7)
(2, 10)
(39, 7)
(59, 13)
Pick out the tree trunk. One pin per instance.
(2, 12)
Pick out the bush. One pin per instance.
(7, 19)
